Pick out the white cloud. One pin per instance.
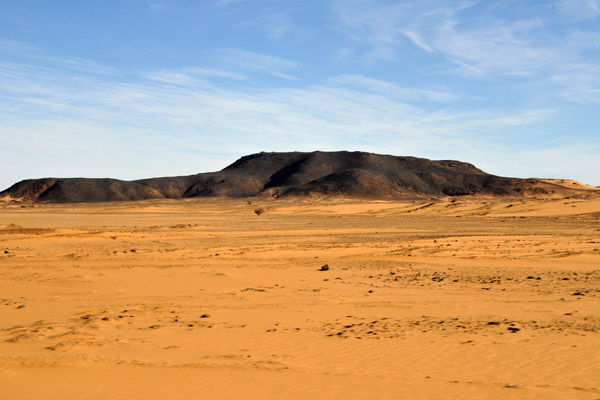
(484, 45)
(418, 40)
(578, 9)
(257, 61)
(65, 120)
(59, 121)
(13, 46)
(579, 83)
(190, 76)
(159, 8)
(391, 90)
(495, 50)
(225, 3)
(564, 162)
(386, 25)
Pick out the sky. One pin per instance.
(133, 89)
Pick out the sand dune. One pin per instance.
(201, 298)
(570, 183)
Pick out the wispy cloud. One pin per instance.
(578, 9)
(17, 50)
(257, 61)
(485, 82)
(158, 7)
(485, 45)
(190, 76)
(562, 162)
(418, 40)
(46, 111)
(388, 89)
(389, 25)
(224, 3)
(13, 46)
(579, 83)
(272, 19)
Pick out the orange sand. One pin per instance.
(202, 299)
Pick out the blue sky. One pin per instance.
(139, 88)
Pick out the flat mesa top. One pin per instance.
(342, 174)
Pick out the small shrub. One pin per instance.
(249, 202)
(259, 210)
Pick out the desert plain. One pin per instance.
(471, 298)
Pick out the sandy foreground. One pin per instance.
(203, 299)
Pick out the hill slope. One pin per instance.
(348, 174)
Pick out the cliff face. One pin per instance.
(348, 174)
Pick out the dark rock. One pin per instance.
(342, 173)
(324, 268)
(513, 329)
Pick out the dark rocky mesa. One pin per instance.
(320, 174)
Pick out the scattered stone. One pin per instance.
(154, 326)
(513, 329)
(493, 323)
(21, 306)
(578, 294)
(324, 268)
(204, 316)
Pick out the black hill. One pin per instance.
(341, 174)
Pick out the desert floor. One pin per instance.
(203, 299)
